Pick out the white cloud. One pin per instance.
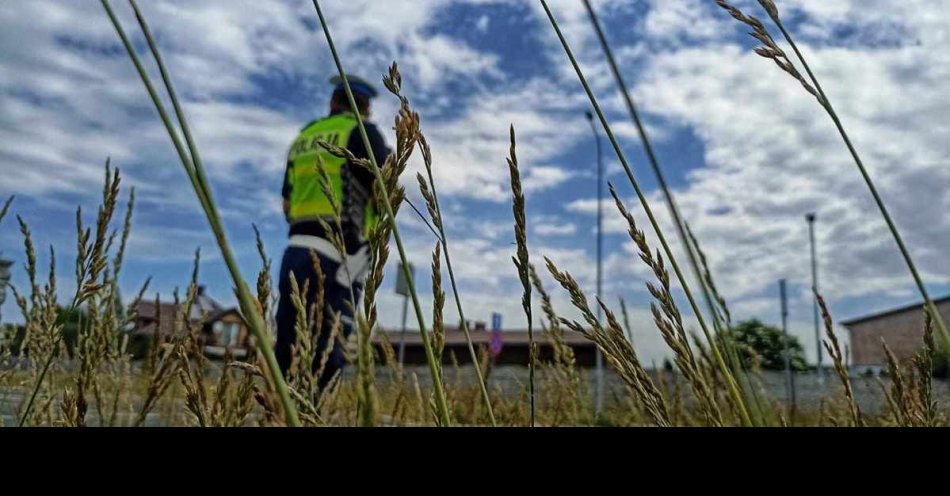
(470, 151)
(70, 97)
(555, 229)
(790, 161)
(84, 101)
(772, 156)
(483, 23)
(684, 21)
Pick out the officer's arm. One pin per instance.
(378, 142)
(358, 148)
(285, 191)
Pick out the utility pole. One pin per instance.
(599, 398)
(814, 289)
(789, 376)
(4, 281)
(402, 288)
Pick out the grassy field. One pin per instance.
(94, 381)
(817, 402)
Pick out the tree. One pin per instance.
(764, 345)
(71, 321)
(941, 363)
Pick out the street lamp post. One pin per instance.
(599, 398)
(814, 289)
(402, 288)
(789, 377)
(4, 281)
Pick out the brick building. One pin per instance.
(902, 329)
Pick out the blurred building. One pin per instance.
(901, 328)
(220, 328)
(514, 345)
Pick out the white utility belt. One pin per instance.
(322, 246)
(357, 264)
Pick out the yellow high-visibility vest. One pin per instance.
(308, 202)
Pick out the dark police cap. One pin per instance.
(358, 85)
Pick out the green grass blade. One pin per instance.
(437, 384)
(878, 200)
(195, 172)
(734, 387)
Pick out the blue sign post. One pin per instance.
(496, 341)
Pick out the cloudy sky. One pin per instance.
(747, 151)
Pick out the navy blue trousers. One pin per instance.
(336, 299)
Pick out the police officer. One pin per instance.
(305, 203)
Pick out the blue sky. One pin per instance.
(747, 151)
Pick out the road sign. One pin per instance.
(4, 279)
(402, 284)
(496, 340)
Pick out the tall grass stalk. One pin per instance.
(438, 305)
(722, 318)
(367, 404)
(563, 372)
(617, 349)
(89, 269)
(669, 320)
(521, 260)
(437, 384)
(651, 157)
(732, 384)
(701, 272)
(834, 350)
(626, 320)
(6, 208)
(335, 235)
(773, 52)
(431, 195)
(195, 172)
